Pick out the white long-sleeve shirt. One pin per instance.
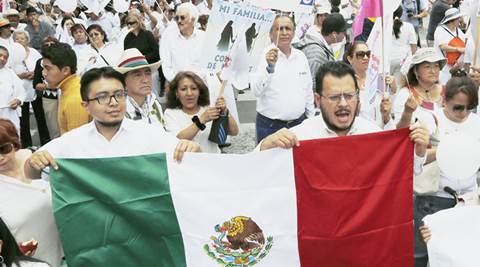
(12, 88)
(181, 54)
(286, 93)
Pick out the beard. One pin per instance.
(110, 124)
(333, 127)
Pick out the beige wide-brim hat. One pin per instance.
(451, 14)
(133, 59)
(428, 54)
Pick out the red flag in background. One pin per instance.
(354, 200)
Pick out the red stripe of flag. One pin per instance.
(354, 197)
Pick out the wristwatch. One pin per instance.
(197, 122)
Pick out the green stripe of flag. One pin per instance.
(116, 212)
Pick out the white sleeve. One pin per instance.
(309, 105)
(19, 91)
(171, 122)
(166, 56)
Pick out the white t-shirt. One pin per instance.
(401, 47)
(28, 65)
(444, 36)
(176, 120)
(471, 127)
(425, 116)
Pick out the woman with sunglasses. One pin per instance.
(101, 53)
(358, 56)
(32, 216)
(460, 98)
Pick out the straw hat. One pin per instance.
(4, 22)
(133, 59)
(451, 14)
(11, 12)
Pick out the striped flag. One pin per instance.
(330, 202)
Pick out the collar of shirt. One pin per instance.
(69, 82)
(126, 126)
(144, 110)
(193, 36)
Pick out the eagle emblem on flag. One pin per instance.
(238, 242)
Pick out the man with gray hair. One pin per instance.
(180, 49)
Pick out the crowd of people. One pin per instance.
(103, 83)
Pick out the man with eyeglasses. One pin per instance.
(282, 82)
(59, 68)
(103, 95)
(142, 104)
(180, 49)
(337, 96)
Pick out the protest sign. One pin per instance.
(235, 31)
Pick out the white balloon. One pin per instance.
(67, 5)
(16, 53)
(458, 155)
(121, 5)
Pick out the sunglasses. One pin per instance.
(179, 18)
(6, 148)
(131, 22)
(363, 54)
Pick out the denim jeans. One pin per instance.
(266, 126)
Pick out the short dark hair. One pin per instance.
(61, 55)
(99, 29)
(32, 9)
(65, 20)
(4, 49)
(46, 40)
(335, 68)
(8, 134)
(333, 23)
(77, 26)
(462, 85)
(96, 74)
(203, 98)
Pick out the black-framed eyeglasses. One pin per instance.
(337, 98)
(460, 108)
(363, 54)
(131, 23)
(105, 99)
(180, 18)
(6, 148)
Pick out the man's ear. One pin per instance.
(84, 104)
(317, 99)
(66, 71)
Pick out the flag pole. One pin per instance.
(477, 39)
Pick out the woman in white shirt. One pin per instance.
(421, 96)
(461, 97)
(450, 41)
(25, 70)
(404, 43)
(358, 56)
(188, 114)
(101, 53)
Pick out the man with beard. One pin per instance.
(109, 134)
(337, 96)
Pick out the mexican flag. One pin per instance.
(330, 202)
